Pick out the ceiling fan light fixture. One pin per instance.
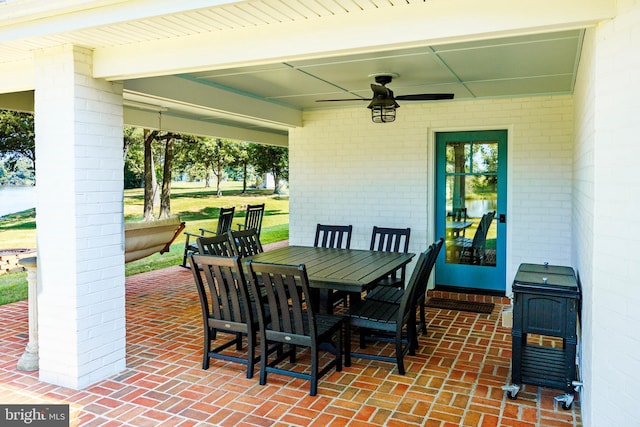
(383, 110)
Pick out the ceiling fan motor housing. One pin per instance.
(383, 79)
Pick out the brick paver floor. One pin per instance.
(455, 379)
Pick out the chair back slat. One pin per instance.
(333, 236)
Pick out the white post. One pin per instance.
(29, 359)
(80, 223)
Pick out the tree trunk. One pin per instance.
(165, 197)
(154, 185)
(244, 178)
(148, 176)
(218, 176)
(276, 183)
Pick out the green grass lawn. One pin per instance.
(192, 202)
(13, 287)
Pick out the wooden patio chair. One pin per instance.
(225, 218)
(472, 251)
(226, 307)
(388, 318)
(283, 290)
(394, 295)
(253, 218)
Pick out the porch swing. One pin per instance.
(145, 238)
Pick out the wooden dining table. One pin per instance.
(350, 270)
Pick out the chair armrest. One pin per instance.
(186, 242)
(240, 226)
(188, 233)
(206, 230)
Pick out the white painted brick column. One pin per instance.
(78, 124)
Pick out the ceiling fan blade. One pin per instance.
(425, 97)
(338, 100)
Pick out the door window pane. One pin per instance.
(471, 202)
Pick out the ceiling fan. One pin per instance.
(383, 103)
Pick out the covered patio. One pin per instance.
(455, 379)
(559, 77)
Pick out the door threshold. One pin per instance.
(473, 291)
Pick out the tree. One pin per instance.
(17, 137)
(165, 196)
(150, 178)
(270, 159)
(213, 156)
(149, 175)
(240, 152)
(133, 148)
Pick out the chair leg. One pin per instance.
(399, 353)
(205, 358)
(314, 373)
(206, 349)
(251, 353)
(423, 318)
(339, 350)
(363, 338)
(238, 341)
(186, 251)
(347, 344)
(412, 337)
(263, 360)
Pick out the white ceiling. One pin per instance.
(268, 98)
(541, 64)
(515, 66)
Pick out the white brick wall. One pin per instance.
(607, 185)
(347, 170)
(584, 207)
(79, 220)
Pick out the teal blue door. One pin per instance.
(471, 172)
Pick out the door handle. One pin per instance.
(502, 218)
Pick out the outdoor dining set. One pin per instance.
(313, 297)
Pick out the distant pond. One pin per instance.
(16, 199)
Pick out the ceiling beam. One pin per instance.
(195, 94)
(17, 101)
(150, 120)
